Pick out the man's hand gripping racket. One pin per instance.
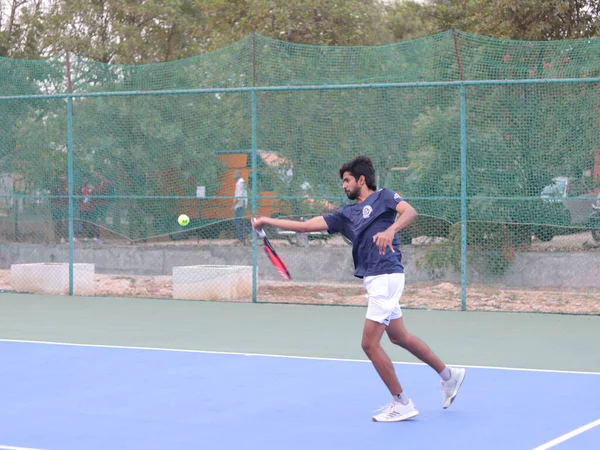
(272, 254)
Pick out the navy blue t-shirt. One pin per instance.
(359, 222)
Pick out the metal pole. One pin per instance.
(463, 198)
(70, 176)
(254, 193)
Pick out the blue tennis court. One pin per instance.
(74, 397)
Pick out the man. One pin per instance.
(371, 225)
(102, 188)
(240, 203)
(60, 207)
(87, 208)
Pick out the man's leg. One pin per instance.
(401, 407)
(63, 225)
(56, 219)
(451, 378)
(399, 335)
(371, 345)
(237, 218)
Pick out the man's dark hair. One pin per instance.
(361, 165)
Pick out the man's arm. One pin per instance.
(407, 215)
(315, 224)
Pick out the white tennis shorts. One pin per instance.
(384, 293)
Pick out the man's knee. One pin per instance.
(400, 339)
(369, 346)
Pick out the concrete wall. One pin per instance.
(535, 269)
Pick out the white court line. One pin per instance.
(268, 355)
(567, 436)
(8, 447)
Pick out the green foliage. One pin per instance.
(26, 133)
(434, 160)
(410, 19)
(131, 32)
(520, 19)
(491, 249)
(519, 137)
(352, 22)
(128, 32)
(441, 256)
(22, 24)
(154, 31)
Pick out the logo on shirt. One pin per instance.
(396, 196)
(367, 210)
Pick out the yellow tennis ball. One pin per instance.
(183, 220)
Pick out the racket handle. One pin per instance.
(260, 232)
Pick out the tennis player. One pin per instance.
(371, 225)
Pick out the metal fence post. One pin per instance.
(254, 193)
(70, 175)
(463, 198)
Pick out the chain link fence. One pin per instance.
(495, 143)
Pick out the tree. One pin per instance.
(410, 19)
(21, 28)
(520, 19)
(132, 32)
(319, 22)
(127, 32)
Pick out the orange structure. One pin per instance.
(211, 205)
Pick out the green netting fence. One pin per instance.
(496, 143)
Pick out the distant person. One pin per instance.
(87, 208)
(240, 203)
(59, 205)
(102, 187)
(371, 225)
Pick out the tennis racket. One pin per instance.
(274, 257)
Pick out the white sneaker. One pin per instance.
(450, 388)
(395, 412)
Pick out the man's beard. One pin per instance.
(352, 195)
